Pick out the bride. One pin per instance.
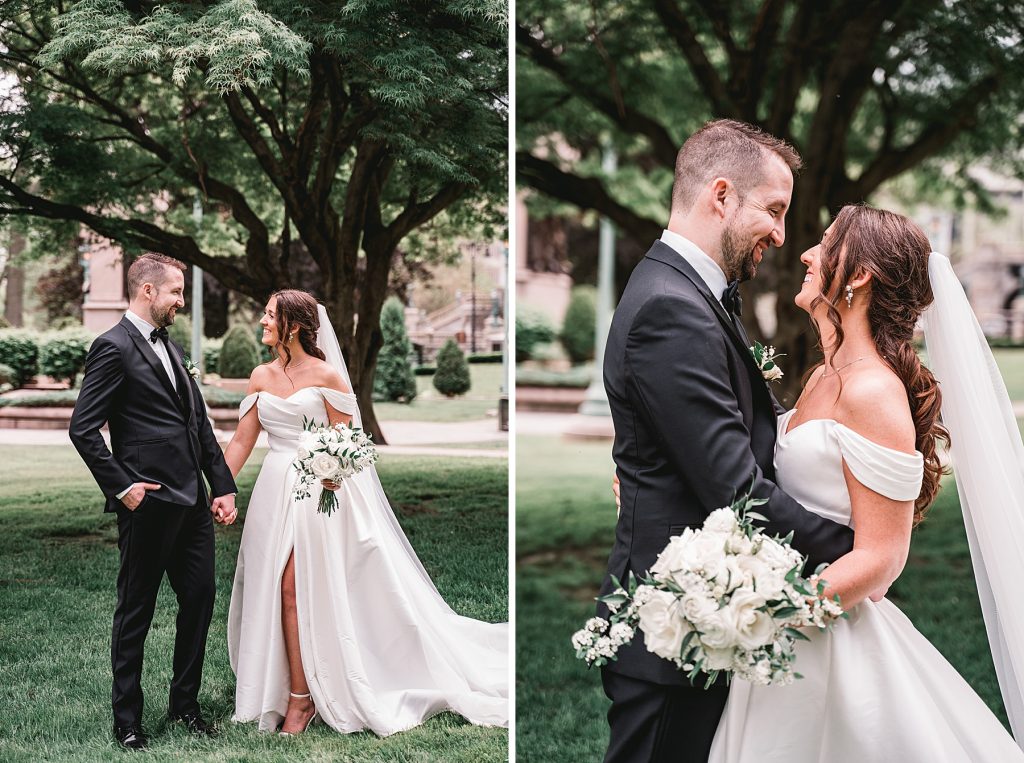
(874, 689)
(334, 616)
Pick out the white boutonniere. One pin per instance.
(191, 368)
(765, 359)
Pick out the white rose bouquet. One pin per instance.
(725, 597)
(330, 453)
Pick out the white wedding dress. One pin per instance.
(381, 650)
(874, 690)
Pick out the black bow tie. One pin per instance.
(160, 333)
(731, 300)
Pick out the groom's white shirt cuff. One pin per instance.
(706, 267)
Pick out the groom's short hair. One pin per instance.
(730, 149)
(150, 268)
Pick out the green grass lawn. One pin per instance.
(58, 564)
(431, 405)
(1011, 366)
(565, 517)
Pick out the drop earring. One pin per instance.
(849, 296)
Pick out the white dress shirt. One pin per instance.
(146, 328)
(709, 270)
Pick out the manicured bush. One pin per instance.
(485, 357)
(267, 353)
(452, 377)
(239, 354)
(577, 335)
(7, 377)
(578, 377)
(424, 370)
(393, 380)
(20, 351)
(62, 355)
(211, 355)
(181, 332)
(532, 329)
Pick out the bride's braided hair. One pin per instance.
(296, 311)
(895, 252)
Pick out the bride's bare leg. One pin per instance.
(299, 710)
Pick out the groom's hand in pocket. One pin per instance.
(138, 491)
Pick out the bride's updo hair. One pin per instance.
(895, 252)
(296, 311)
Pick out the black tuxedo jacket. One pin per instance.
(695, 423)
(156, 434)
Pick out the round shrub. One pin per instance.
(267, 353)
(579, 325)
(19, 350)
(532, 329)
(211, 354)
(181, 332)
(62, 355)
(452, 375)
(393, 379)
(239, 354)
(7, 375)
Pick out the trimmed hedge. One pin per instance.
(393, 380)
(424, 370)
(532, 329)
(215, 397)
(181, 332)
(239, 354)
(577, 378)
(19, 350)
(452, 377)
(62, 355)
(485, 357)
(578, 328)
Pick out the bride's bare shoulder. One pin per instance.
(259, 378)
(328, 376)
(874, 403)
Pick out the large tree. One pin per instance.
(865, 89)
(310, 130)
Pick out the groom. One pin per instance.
(163, 445)
(694, 418)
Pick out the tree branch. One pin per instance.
(679, 28)
(133, 231)
(586, 193)
(629, 119)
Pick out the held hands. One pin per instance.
(138, 491)
(224, 510)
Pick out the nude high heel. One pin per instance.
(316, 714)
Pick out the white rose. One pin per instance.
(717, 659)
(697, 605)
(302, 454)
(718, 630)
(774, 554)
(663, 628)
(323, 465)
(773, 374)
(753, 628)
(720, 521)
(674, 559)
(308, 441)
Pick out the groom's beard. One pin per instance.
(739, 263)
(161, 318)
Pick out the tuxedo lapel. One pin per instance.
(666, 255)
(184, 380)
(150, 356)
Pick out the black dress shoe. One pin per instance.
(195, 724)
(131, 737)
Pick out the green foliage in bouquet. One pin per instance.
(578, 328)
(239, 354)
(393, 380)
(62, 356)
(18, 349)
(452, 376)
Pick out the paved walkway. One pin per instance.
(405, 438)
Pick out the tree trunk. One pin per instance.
(14, 302)
(794, 335)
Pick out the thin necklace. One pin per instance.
(846, 365)
(294, 365)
